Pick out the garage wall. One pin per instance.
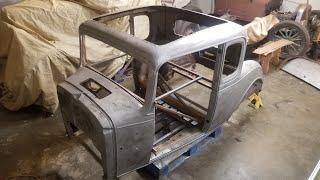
(207, 6)
(290, 5)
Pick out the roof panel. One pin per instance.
(218, 31)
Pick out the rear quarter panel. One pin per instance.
(231, 94)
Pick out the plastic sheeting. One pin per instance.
(39, 47)
(259, 27)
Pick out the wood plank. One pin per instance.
(265, 63)
(276, 57)
(272, 46)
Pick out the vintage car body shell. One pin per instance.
(120, 125)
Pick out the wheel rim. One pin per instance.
(294, 35)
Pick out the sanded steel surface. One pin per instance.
(122, 124)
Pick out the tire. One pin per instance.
(292, 31)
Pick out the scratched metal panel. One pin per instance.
(305, 70)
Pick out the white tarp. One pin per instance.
(39, 46)
(259, 27)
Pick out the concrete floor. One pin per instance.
(279, 141)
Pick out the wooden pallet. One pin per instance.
(163, 168)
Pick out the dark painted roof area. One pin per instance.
(218, 31)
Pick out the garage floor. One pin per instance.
(279, 141)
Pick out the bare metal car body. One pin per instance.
(120, 123)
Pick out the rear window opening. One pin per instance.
(184, 28)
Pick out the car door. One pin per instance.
(227, 89)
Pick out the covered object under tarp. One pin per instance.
(39, 47)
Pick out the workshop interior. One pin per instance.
(159, 89)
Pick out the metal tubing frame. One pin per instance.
(83, 55)
(171, 133)
(170, 88)
(178, 88)
(187, 70)
(190, 77)
(176, 113)
(192, 102)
